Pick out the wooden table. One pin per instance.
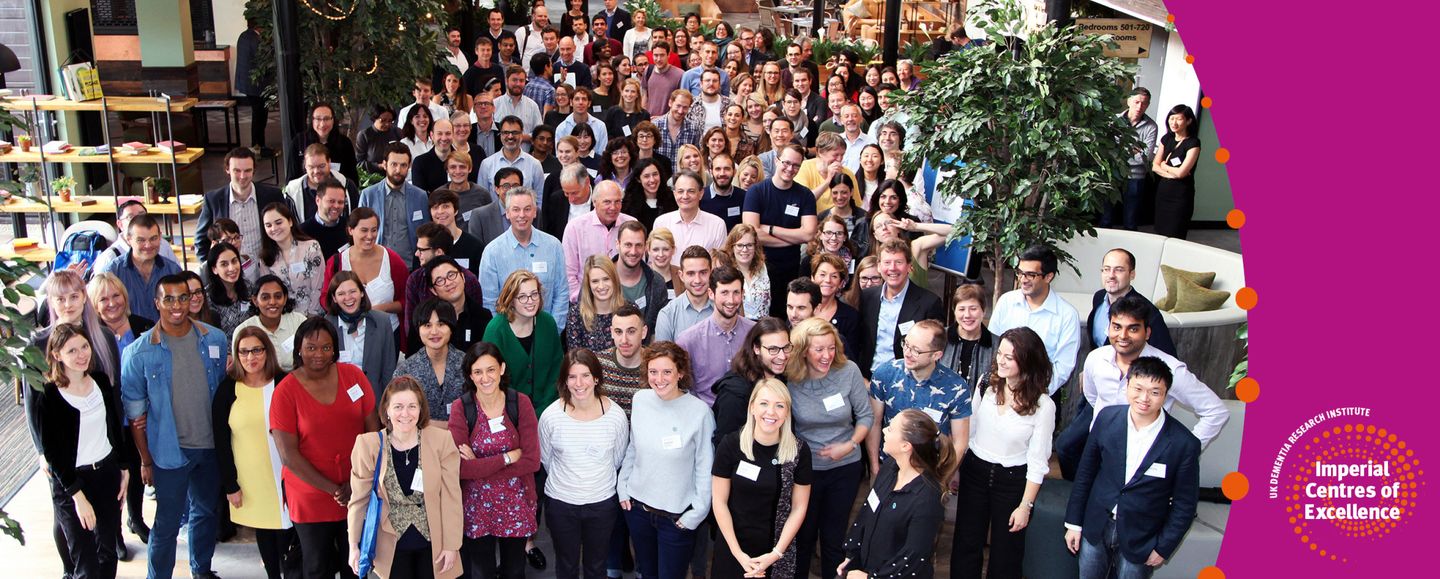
(42, 254)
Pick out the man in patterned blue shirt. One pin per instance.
(918, 381)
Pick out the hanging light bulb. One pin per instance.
(402, 25)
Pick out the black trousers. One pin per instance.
(1070, 445)
(479, 557)
(581, 534)
(831, 497)
(276, 546)
(988, 494)
(135, 499)
(91, 551)
(325, 549)
(259, 118)
(412, 564)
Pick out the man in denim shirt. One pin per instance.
(169, 376)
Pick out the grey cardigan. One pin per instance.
(381, 356)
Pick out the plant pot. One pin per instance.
(64, 195)
(24, 143)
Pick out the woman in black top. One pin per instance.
(622, 119)
(372, 141)
(969, 347)
(760, 485)
(586, 153)
(322, 130)
(76, 417)
(1175, 165)
(647, 196)
(894, 533)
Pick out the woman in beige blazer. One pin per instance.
(421, 515)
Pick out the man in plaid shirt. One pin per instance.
(538, 88)
(676, 128)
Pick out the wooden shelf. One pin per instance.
(119, 104)
(185, 157)
(43, 253)
(103, 204)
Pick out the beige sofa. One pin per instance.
(1204, 340)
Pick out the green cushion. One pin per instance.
(1195, 298)
(1170, 274)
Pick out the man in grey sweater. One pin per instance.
(1128, 211)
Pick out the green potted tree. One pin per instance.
(1029, 128)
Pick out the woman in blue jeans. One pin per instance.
(664, 485)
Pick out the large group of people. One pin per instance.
(661, 290)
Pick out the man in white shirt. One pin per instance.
(530, 39)
(1049, 315)
(855, 140)
(689, 224)
(453, 54)
(514, 102)
(423, 92)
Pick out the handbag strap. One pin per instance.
(379, 461)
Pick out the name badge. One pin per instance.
(297, 268)
(873, 501)
(334, 167)
(595, 108)
(625, 129)
(417, 215)
(355, 392)
(214, 352)
(417, 484)
(467, 335)
(748, 470)
(640, 302)
(1176, 161)
(464, 262)
(670, 292)
(907, 326)
(671, 442)
(933, 414)
(497, 424)
(732, 212)
(792, 210)
(539, 267)
(1156, 470)
(833, 402)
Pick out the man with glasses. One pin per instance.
(141, 268)
(890, 311)
(169, 375)
(488, 222)
(434, 241)
(1117, 274)
(484, 133)
(123, 214)
(510, 155)
(524, 246)
(783, 212)
(918, 381)
(303, 191)
(1033, 305)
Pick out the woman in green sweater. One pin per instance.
(528, 339)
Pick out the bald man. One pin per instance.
(594, 232)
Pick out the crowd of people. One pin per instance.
(661, 290)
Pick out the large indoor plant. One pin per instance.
(1030, 128)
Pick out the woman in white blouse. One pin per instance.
(638, 37)
(1010, 429)
(583, 437)
(289, 254)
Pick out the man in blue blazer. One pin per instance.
(412, 207)
(1138, 482)
(241, 193)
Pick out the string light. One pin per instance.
(330, 6)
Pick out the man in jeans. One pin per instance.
(1127, 212)
(169, 376)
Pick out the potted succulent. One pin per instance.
(23, 141)
(63, 187)
(157, 189)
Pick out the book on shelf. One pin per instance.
(56, 147)
(171, 146)
(93, 151)
(23, 243)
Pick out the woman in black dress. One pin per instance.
(894, 533)
(760, 485)
(1175, 165)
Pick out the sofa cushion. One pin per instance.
(1171, 274)
(1194, 298)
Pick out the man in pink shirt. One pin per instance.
(689, 224)
(594, 232)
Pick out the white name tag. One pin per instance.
(833, 402)
(334, 167)
(792, 210)
(594, 451)
(933, 414)
(905, 327)
(297, 268)
(467, 335)
(640, 302)
(417, 215)
(670, 292)
(214, 352)
(1175, 161)
(539, 267)
(748, 470)
(464, 262)
(732, 212)
(417, 484)
(671, 442)
(355, 392)
(873, 501)
(1156, 470)
(625, 129)
(497, 424)
(595, 108)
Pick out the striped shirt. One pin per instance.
(621, 383)
(582, 458)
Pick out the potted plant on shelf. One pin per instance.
(157, 189)
(63, 187)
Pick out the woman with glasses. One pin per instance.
(273, 316)
(323, 123)
(647, 138)
(833, 237)
(867, 275)
(742, 245)
(588, 323)
(832, 415)
(316, 414)
(365, 337)
(225, 285)
(371, 141)
(245, 449)
(289, 254)
(618, 161)
(437, 364)
(528, 338)
(199, 306)
(499, 454)
(761, 356)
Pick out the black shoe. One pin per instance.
(141, 530)
(536, 558)
(207, 575)
(121, 552)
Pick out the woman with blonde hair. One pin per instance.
(421, 514)
(111, 302)
(749, 171)
(688, 156)
(770, 87)
(760, 487)
(629, 111)
(832, 415)
(660, 251)
(588, 323)
(742, 246)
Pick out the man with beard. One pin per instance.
(515, 103)
(722, 199)
(713, 342)
(428, 170)
(510, 155)
(639, 283)
(402, 207)
(327, 224)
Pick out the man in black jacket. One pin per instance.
(617, 19)
(241, 200)
(1117, 274)
(889, 310)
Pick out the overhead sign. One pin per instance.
(1132, 36)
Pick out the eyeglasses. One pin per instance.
(744, 246)
(484, 104)
(176, 300)
(1028, 275)
(789, 164)
(832, 234)
(530, 297)
(908, 349)
(248, 352)
(446, 279)
(777, 350)
(509, 133)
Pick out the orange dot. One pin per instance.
(1222, 155)
(1235, 219)
(1205, 102)
(1247, 390)
(1170, 18)
(1211, 572)
(1246, 298)
(1189, 59)
(1235, 486)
